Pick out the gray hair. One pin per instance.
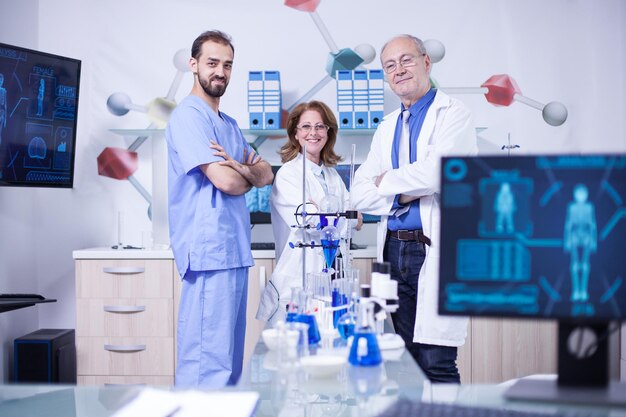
(418, 44)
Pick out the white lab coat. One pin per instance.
(285, 198)
(448, 129)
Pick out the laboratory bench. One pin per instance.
(127, 306)
(127, 309)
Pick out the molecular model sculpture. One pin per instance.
(121, 164)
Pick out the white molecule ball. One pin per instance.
(435, 49)
(119, 103)
(181, 60)
(365, 51)
(554, 113)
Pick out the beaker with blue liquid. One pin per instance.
(365, 350)
(299, 311)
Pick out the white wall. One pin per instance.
(565, 50)
(18, 266)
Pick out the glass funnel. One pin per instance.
(330, 244)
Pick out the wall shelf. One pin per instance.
(247, 132)
(260, 135)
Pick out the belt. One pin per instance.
(409, 235)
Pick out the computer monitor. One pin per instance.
(38, 108)
(540, 237)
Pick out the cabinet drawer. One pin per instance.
(124, 278)
(125, 317)
(125, 355)
(150, 380)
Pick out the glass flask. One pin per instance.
(299, 311)
(330, 204)
(347, 322)
(364, 350)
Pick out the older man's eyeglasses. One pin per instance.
(319, 128)
(405, 61)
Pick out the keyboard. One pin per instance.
(262, 245)
(13, 296)
(409, 408)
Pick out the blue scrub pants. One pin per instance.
(211, 328)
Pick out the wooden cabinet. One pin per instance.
(497, 350)
(125, 321)
(127, 310)
(364, 266)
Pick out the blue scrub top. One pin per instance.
(209, 229)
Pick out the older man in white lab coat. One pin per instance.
(400, 181)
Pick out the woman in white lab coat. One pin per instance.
(313, 125)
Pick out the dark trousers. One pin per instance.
(406, 259)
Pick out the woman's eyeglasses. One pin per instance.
(320, 127)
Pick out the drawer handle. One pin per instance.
(125, 348)
(124, 269)
(124, 309)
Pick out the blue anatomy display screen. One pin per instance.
(534, 236)
(38, 106)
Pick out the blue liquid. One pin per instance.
(346, 329)
(314, 332)
(336, 302)
(371, 356)
(330, 251)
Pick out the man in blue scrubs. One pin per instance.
(211, 167)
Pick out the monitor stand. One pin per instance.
(583, 366)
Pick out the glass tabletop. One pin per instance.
(352, 391)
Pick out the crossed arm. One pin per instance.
(404, 198)
(234, 177)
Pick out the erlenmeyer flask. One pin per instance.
(364, 350)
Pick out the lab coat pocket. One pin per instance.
(269, 304)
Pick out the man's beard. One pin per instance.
(213, 90)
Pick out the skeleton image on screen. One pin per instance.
(40, 94)
(504, 207)
(580, 240)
